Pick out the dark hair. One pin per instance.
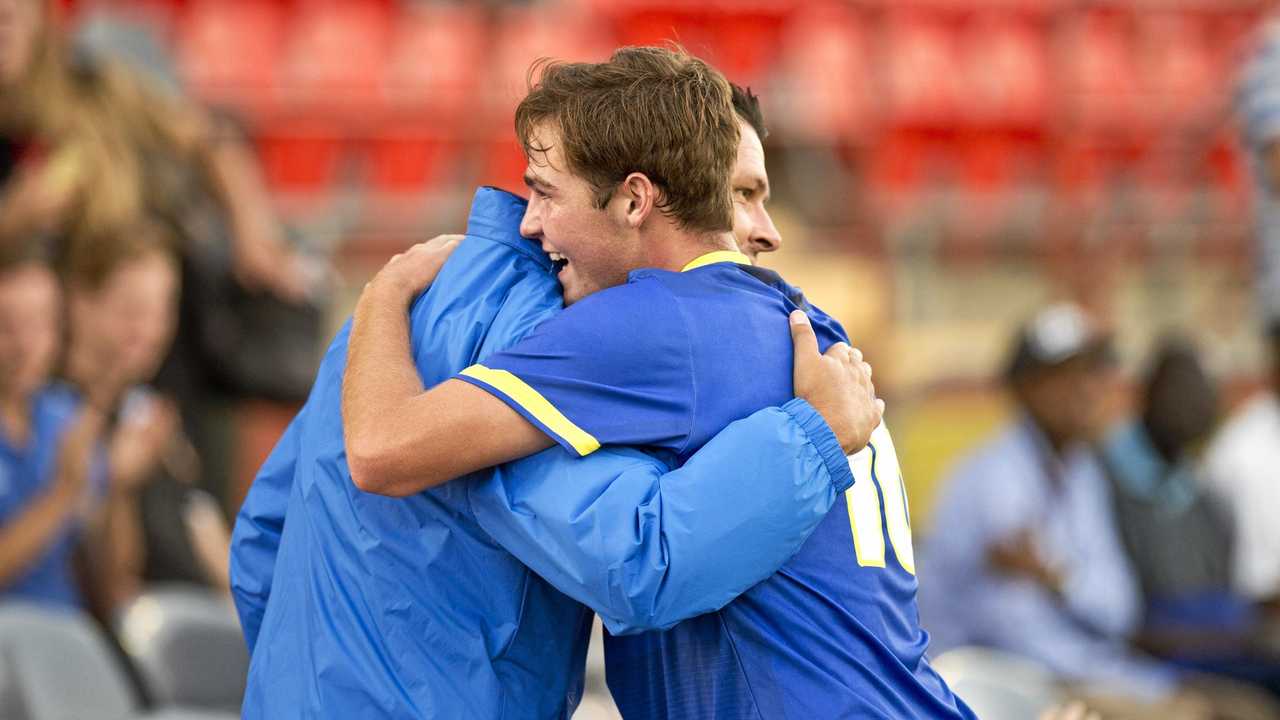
(1181, 401)
(656, 111)
(747, 105)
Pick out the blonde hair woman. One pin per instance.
(81, 142)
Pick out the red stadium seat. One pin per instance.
(827, 92)
(228, 50)
(434, 63)
(1099, 81)
(409, 159)
(1181, 85)
(301, 157)
(741, 39)
(334, 58)
(1005, 72)
(920, 55)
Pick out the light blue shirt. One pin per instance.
(1004, 487)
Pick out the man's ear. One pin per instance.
(634, 200)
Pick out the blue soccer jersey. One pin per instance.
(664, 361)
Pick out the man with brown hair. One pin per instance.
(671, 336)
(616, 185)
(360, 605)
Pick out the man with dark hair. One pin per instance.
(753, 229)
(670, 336)
(361, 605)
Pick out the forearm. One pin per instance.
(209, 541)
(646, 548)
(115, 545)
(23, 540)
(379, 382)
(30, 534)
(235, 175)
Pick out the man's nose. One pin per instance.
(531, 223)
(765, 237)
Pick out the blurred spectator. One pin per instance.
(1243, 469)
(88, 142)
(50, 484)
(122, 297)
(1025, 555)
(1179, 536)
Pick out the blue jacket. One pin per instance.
(366, 606)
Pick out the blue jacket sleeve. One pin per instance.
(645, 546)
(255, 540)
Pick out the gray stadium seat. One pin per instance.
(56, 666)
(180, 714)
(996, 685)
(188, 647)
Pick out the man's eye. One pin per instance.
(743, 193)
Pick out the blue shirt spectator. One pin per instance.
(27, 472)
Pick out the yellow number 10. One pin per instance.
(876, 475)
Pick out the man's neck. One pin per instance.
(677, 249)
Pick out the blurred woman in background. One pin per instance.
(86, 144)
(51, 487)
(122, 295)
(83, 143)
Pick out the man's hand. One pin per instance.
(410, 272)
(837, 384)
(1017, 555)
(140, 441)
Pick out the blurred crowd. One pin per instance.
(146, 280)
(1134, 559)
(1139, 559)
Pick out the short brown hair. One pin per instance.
(93, 257)
(656, 111)
(747, 105)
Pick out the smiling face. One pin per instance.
(753, 229)
(589, 248)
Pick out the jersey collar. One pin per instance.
(718, 256)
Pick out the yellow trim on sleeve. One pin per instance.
(537, 405)
(718, 256)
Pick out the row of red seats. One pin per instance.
(984, 89)
(843, 65)
(898, 164)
